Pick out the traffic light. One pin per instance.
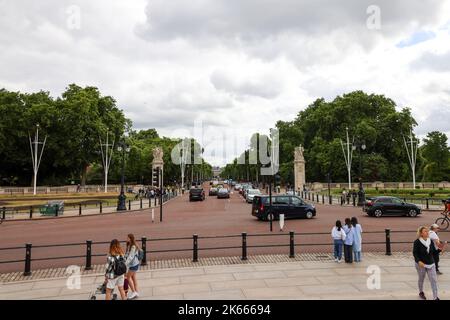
(155, 178)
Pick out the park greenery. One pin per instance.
(74, 124)
(373, 120)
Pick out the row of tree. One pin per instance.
(373, 121)
(75, 125)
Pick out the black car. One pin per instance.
(213, 191)
(223, 193)
(289, 205)
(390, 206)
(196, 194)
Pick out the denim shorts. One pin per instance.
(134, 268)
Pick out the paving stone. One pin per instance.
(273, 293)
(182, 288)
(243, 284)
(259, 275)
(207, 278)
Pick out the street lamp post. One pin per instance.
(121, 204)
(361, 146)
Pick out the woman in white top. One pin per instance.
(338, 235)
(132, 262)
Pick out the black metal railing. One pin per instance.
(291, 242)
(80, 208)
(424, 203)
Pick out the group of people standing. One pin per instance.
(121, 268)
(347, 240)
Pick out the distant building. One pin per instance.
(216, 171)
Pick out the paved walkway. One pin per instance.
(298, 279)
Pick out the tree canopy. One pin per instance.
(373, 120)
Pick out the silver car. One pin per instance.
(251, 193)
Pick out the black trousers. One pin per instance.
(348, 253)
(436, 258)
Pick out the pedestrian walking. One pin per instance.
(437, 244)
(338, 235)
(425, 265)
(115, 270)
(357, 242)
(348, 242)
(133, 260)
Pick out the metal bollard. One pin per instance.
(79, 209)
(31, 212)
(88, 255)
(428, 204)
(4, 213)
(144, 249)
(27, 271)
(388, 242)
(354, 201)
(56, 211)
(291, 245)
(129, 205)
(323, 199)
(101, 207)
(195, 248)
(244, 246)
(140, 202)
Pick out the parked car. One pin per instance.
(223, 193)
(391, 206)
(251, 193)
(196, 194)
(290, 206)
(213, 191)
(237, 186)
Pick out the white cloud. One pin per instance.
(235, 64)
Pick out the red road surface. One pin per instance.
(182, 218)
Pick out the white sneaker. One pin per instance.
(132, 296)
(339, 261)
(136, 294)
(336, 260)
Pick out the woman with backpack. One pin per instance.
(338, 235)
(133, 259)
(348, 242)
(115, 270)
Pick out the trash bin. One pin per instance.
(52, 208)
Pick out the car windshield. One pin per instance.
(223, 190)
(254, 191)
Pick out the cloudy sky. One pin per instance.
(235, 67)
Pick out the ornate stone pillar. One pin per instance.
(299, 168)
(158, 161)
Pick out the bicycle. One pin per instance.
(444, 221)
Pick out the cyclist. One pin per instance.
(447, 207)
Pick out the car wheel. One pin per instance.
(412, 213)
(378, 213)
(309, 215)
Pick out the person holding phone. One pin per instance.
(423, 252)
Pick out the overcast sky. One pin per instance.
(236, 66)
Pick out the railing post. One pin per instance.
(144, 249)
(101, 207)
(88, 255)
(291, 245)
(27, 271)
(244, 246)
(79, 209)
(388, 242)
(31, 212)
(195, 248)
